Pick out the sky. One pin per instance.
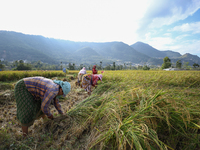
(163, 24)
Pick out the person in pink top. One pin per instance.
(90, 80)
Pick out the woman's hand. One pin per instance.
(62, 113)
(51, 117)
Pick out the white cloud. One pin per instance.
(190, 46)
(166, 12)
(102, 20)
(180, 37)
(77, 20)
(177, 44)
(160, 43)
(193, 27)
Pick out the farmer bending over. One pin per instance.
(80, 75)
(89, 80)
(33, 96)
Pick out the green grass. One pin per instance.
(141, 110)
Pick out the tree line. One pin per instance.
(38, 65)
(167, 64)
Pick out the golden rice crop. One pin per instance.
(16, 75)
(129, 110)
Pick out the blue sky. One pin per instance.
(163, 24)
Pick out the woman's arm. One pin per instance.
(57, 106)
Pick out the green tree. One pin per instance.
(186, 65)
(71, 67)
(1, 66)
(146, 67)
(195, 65)
(108, 67)
(81, 66)
(100, 64)
(140, 67)
(166, 63)
(61, 65)
(114, 65)
(130, 65)
(22, 66)
(38, 65)
(178, 64)
(124, 66)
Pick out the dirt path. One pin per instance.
(8, 110)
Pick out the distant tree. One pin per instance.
(71, 67)
(121, 67)
(1, 65)
(21, 61)
(81, 66)
(146, 67)
(22, 66)
(15, 63)
(61, 66)
(178, 64)
(124, 66)
(100, 64)
(108, 67)
(114, 65)
(195, 65)
(186, 65)
(130, 65)
(140, 67)
(38, 65)
(166, 63)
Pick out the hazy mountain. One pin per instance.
(18, 46)
(171, 54)
(148, 50)
(190, 58)
(84, 53)
(174, 56)
(152, 52)
(118, 51)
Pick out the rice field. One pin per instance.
(16, 75)
(128, 110)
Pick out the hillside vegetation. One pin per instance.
(17, 46)
(128, 110)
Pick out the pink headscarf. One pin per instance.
(100, 76)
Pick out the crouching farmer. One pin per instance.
(33, 96)
(90, 80)
(80, 75)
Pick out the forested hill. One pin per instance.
(18, 46)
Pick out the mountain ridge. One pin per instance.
(19, 46)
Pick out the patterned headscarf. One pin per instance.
(66, 87)
(83, 71)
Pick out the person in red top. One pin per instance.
(90, 80)
(94, 71)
